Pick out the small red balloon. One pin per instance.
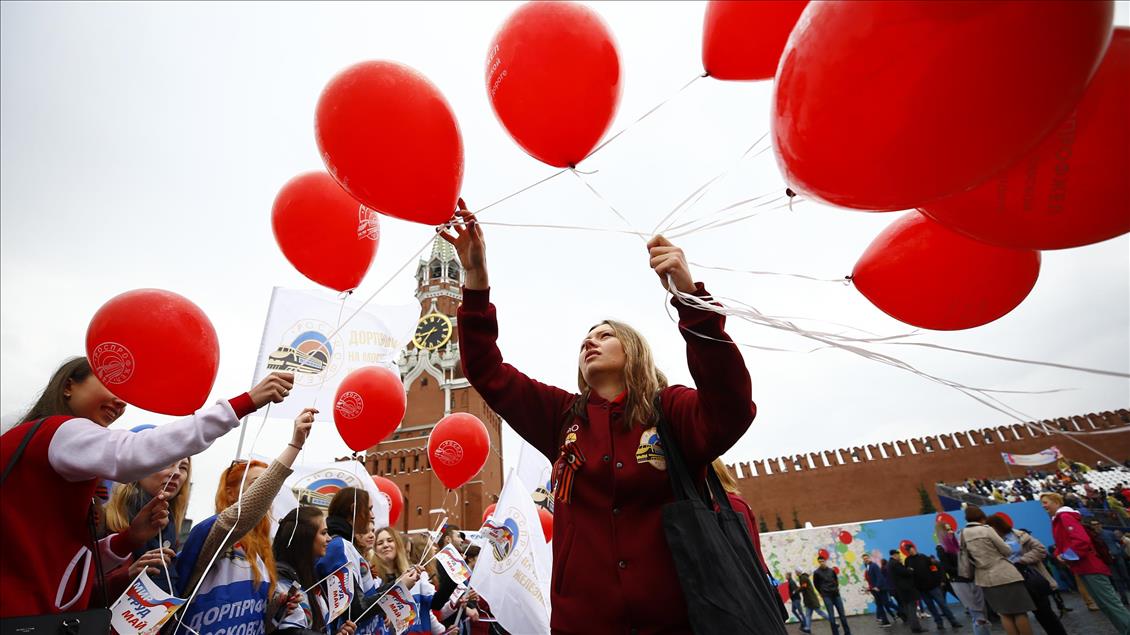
(743, 40)
(889, 105)
(845, 537)
(392, 496)
(1070, 190)
(458, 447)
(836, 570)
(388, 136)
(946, 519)
(1006, 517)
(553, 78)
(905, 546)
(368, 406)
(546, 518)
(823, 553)
(154, 349)
(919, 272)
(324, 232)
(488, 511)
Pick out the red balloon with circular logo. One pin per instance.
(553, 78)
(388, 136)
(368, 406)
(743, 40)
(546, 518)
(324, 232)
(921, 273)
(393, 495)
(458, 447)
(154, 349)
(892, 104)
(1070, 190)
(488, 511)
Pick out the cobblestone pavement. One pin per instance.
(1079, 621)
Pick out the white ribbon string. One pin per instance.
(643, 116)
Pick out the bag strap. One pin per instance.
(94, 549)
(682, 482)
(20, 449)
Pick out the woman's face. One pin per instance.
(321, 538)
(252, 473)
(171, 479)
(385, 547)
(89, 399)
(601, 352)
(368, 539)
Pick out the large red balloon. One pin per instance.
(458, 447)
(369, 404)
(546, 518)
(919, 272)
(324, 232)
(891, 104)
(1073, 188)
(390, 139)
(553, 77)
(154, 349)
(393, 495)
(743, 39)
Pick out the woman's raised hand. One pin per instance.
(150, 560)
(469, 244)
(273, 389)
(668, 260)
(150, 520)
(302, 424)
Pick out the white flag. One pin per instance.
(143, 608)
(339, 591)
(296, 338)
(452, 562)
(399, 608)
(316, 483)
(536, 471)
(513, 574)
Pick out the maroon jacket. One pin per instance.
(612, 569)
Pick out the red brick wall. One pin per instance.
(847, 485)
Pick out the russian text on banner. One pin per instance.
(144, 608)
(399, 608)
(452, 562)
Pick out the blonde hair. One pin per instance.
(257, 542)
(642, 380)
(127, 495)
(418, 546)
(399, 562)
(726, 476)
(1055, 498)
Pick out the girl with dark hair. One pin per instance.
(227, 566)
(300, 540)
(349, 508)
(611, 561)
(62, 450)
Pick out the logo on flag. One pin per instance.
(399, 608)
(339, 591)
(306, 352)
(143, 609)
(506, 537)
(318, 488)
(452, 562)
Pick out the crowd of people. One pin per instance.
(1070, 479)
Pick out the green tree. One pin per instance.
(761, 526)
(780, 523)
(796, 520)
(927, 504)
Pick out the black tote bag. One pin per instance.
(726, 588)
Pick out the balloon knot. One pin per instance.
(847, 281)
(705, 74)
(789, 192)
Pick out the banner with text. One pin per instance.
(143, 609)
(1043, 457)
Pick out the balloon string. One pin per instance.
(610, 206)
(224, 542)
(769, 273)
(1082, 369)
(718, 212)
(723, 223)
(643, 116)
(563, 227)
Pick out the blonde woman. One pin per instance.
(392, 567)
(128, 499)
(610, 556)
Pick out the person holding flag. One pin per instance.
(394, 570)
(611, 563)
(350, 508)
(300, 541)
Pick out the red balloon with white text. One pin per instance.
(458, 447)
(369, 404)
(154, 349)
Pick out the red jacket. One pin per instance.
(612, 569)
(1069, 533)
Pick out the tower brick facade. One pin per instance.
(436, 387)
(882, 481)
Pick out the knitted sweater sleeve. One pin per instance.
(256, 503)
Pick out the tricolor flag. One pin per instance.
(143, 609)
(399, 608)
(452, 562)
(339, 591)
(514, 575)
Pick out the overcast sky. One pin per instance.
(143, 144)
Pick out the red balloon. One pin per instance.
(921, 273)
(369, 404)
(324, 232)
(887, 105)
(392, 495)
(946, 519)
(489, 510)
(743, 40)
(546, 518)
(1070, 190)
(458, 447)
(905, 546)
(388, 136)
(154, 349)
(553, 77)
(845, 537)
(823, 553)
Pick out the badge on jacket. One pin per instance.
(651, 450)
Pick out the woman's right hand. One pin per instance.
(150, 560)
(273, 389)
(412, 576)
(469, 244)
(348, 628)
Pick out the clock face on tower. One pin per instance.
(432, 331)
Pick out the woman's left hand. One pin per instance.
(668, 260)
(302, 425)
(150, 520)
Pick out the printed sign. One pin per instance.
(454, 564)
(339, 591)
(399, 608)
(143, 609)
